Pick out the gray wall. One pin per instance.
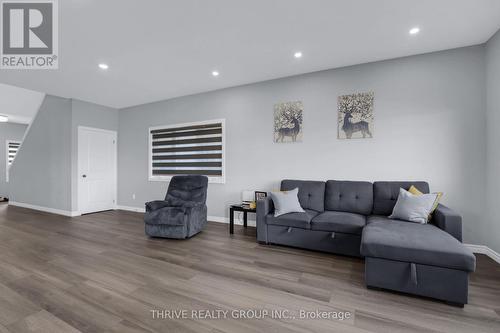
(41, 172)
(8, 131)
(88, 115)
(491, 231)
(45, 170)
(429, 124)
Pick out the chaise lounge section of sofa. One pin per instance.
(351, 218)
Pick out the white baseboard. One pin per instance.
(483, 249)
(45, 209)
(220, 219)
(131, 209)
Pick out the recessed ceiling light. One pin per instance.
(414, 31)
(4, 119)
(297, 55)
(103, 66)
(215, 73)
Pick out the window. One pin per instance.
(11, 150)
(195, 148)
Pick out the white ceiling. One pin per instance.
(19, 104)
(159, 49)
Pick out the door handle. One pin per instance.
(84, 176)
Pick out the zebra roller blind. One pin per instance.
(196, 148)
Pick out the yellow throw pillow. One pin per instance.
(415, 191)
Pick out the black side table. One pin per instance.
(239, 208)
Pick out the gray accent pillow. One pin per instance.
(286, 202)
(413, 208)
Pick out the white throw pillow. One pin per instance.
(413, 208)
(286, 202)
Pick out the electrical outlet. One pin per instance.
(133, 196)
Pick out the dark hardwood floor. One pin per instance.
(100, 273)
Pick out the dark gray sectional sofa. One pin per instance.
(351, 218)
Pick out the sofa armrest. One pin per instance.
(264, 207)
(448, 220)
(155, 205)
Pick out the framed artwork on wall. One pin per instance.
(288, 122)
(355, 116)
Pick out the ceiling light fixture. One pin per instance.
(3, 119)
(414, 31)
(103, 66)
(297, 55)
(215, 73)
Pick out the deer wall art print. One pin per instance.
(355, 116)
(288, 122)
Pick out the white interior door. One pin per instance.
(96, 170)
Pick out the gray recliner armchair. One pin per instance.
(183, 213)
